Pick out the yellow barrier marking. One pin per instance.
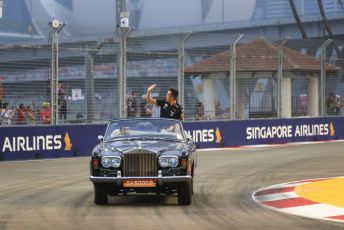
(329, 191)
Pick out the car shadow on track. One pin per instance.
(144, 200)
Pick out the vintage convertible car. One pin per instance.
(153, 155)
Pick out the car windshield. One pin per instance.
(144, 129)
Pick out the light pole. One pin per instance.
(123, 29)
(56, 27)
(181, 63)
(323, 77)
(232, 77)
(280, 77)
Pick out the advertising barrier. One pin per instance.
(78, 140)
(219, 134)
(48, 142)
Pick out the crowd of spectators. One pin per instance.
(21, 115)
(31, 114)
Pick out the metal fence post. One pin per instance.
(232, 77)
(89, 65)
(123, 30)
(123, 75)
(181, 56)
(89, 59)
(54, 79)
(323, 77)
(280, 77)
(56, 28)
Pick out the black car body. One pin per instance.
(153, 155)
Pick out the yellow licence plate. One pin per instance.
(139, 183)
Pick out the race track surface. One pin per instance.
(56, 194)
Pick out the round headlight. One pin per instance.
(173, 162)
(163, 162)
(115, 162)
(106, 162)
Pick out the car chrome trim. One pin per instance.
(119, 176)
(161, 179)
(139, 163)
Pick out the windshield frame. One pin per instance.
(142, 119)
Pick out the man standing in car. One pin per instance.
(169, 107)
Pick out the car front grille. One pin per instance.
(140, 165)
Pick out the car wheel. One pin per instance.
(100, 195)
(192, 181)
(192, 187)
(185, 194)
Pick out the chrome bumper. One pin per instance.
(161, 179)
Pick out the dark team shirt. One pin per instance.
(170, 111)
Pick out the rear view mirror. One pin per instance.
(101, 138)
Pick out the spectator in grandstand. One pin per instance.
(334, 104)
(199, 115)
(46, 113)
(31, 115)
(338, 105)
(63, 109)
(7, 114)
(21, 115)
(61, 91)
(79, 117)
(330, 103)
(145, 111)
(131, 105)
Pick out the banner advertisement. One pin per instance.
(78, 140)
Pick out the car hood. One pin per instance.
(158, 147)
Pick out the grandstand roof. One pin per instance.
(259, 55)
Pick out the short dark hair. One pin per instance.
(174, 93)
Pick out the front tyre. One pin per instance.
(185, 194)
(100, 195)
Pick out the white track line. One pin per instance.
(315, 210)
(254, 147)
(38, 160)
(277, 196)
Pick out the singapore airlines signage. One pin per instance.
(36, 143)
(206, 135)
(290, 131)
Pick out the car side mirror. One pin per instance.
(187, 136)
(101, 138)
